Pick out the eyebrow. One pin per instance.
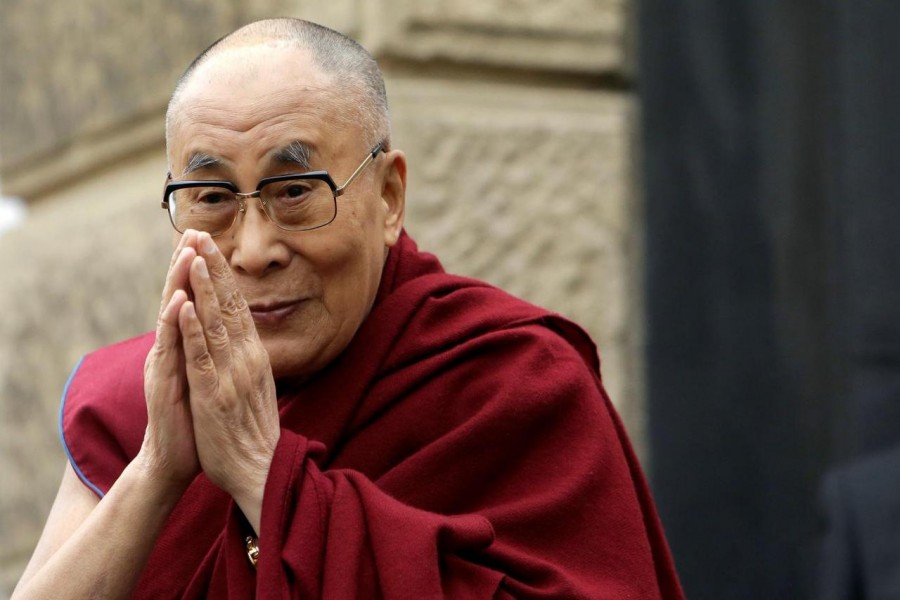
(199, 160)
(296, 153)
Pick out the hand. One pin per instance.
(168, 453)
(231, 387)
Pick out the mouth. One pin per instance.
(267, 314)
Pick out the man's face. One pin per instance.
(308, 291)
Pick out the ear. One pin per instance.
(393, 195)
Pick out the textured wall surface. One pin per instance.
(527, 188)
(87, 269)
(520, 174)
(105, 68)
(570, 35)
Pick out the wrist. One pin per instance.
(152, 476)
(248, 486)
(249, 489)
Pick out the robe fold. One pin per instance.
(462, 446)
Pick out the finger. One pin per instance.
(167, 349)
(169, 315)
(177, 277)
(202, 376)
(182, 242)
(235, 312)
(206, 305)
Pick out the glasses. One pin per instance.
(295, 202)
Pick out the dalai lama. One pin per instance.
(322, 411)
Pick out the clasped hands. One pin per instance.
(210, 393)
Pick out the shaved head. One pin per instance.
(351, 71)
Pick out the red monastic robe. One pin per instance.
(462, 446)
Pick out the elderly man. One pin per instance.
(322, 411)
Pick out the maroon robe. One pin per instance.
(462, 446)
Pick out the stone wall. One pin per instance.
(516, 115)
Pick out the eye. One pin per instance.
(213, 196)
(292, 192)
(296, 190)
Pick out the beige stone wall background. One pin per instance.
(517, 117)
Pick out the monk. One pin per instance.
(322, 411)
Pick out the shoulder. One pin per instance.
(441, 312)
(102, 411)
(466, 348)
(110, 377)
(421, 309)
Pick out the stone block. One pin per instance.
(579, 36)
(528, 189)
(71, 72)
(85, 270)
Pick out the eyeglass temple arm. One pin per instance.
(165, 201)
(372, 154)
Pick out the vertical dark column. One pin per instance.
(867, 152)
(742, 384)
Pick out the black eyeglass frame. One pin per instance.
(241, 197)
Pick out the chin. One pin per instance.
(293, 356)
(284, 363)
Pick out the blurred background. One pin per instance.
(708, 187)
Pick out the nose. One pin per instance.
(257, 245)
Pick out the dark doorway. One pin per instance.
(771, 170)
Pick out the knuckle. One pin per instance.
(260, 359)
(219, 269)
(221, 346)
(259, 368)
(263, 377)
(218, 333)
(203, 363)
(196, 345)
(234, 303)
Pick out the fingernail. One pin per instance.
(209, 246)
(201, 268)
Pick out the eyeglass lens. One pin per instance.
(296, 204)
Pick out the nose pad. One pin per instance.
(243, 200)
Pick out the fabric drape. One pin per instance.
(462, 446)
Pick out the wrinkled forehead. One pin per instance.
(249, 90)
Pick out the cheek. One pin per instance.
(348, 256)
(351, 269)
(359, 246)
(353, 279)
